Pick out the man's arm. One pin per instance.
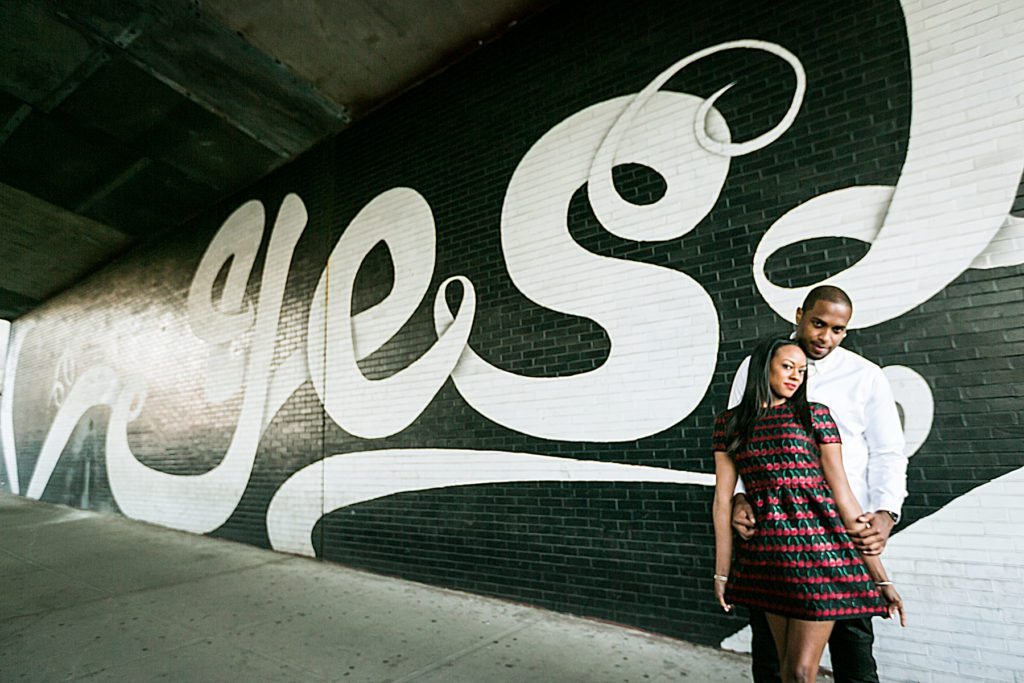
(739, 383)
(887, 461)
(887, 468)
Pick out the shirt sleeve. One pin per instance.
(739, 383)
(887, 460)
(718, 435)
(825, 428)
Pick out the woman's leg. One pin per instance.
(805, 642)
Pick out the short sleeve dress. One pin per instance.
(800, 562)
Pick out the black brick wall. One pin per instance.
(636, 553)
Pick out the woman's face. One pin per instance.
(786, 371)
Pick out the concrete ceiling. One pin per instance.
(121, 119)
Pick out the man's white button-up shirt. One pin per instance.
(859, 396)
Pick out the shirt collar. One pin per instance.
(827, 363)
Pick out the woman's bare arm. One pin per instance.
(849, 511)
(849, 508)
(721, 514)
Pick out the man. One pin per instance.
(861, 402)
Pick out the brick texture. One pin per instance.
(637, 552)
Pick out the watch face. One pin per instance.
(895, 517)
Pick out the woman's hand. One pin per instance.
(894, 602)
(720, 595)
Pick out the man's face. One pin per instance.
(822, 328)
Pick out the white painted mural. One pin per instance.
(959, 195)
(948, 212)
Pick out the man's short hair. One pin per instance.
(826, 293)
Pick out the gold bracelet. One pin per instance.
(883, 583)
(723, 579)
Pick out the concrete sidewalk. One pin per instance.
(100, 597)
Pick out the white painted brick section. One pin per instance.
(965, 604)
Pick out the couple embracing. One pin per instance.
(810, 475)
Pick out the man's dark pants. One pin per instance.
(849, 646)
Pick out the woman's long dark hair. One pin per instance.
(757, 397)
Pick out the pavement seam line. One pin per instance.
(190, 643)
(107, 594)
(455, 656)
(277, 660)
(131, 660)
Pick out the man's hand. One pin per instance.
(871, 535)
(743, 520)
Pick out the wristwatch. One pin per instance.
(895, 517)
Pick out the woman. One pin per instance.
(800, 567)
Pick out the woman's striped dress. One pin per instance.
(800, 562)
